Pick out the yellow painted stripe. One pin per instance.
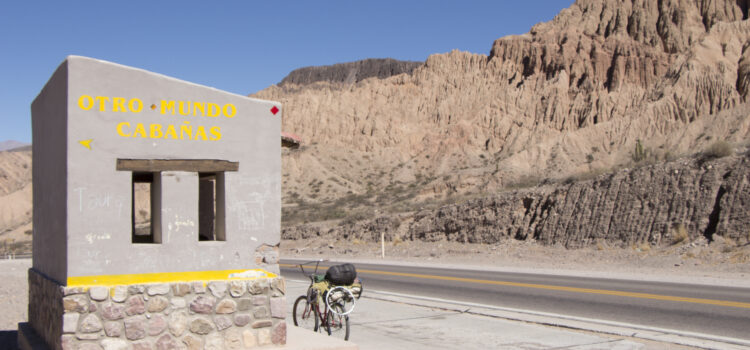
(560, 288)
(163, 277)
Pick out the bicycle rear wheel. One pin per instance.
(304, 314)
(337, 324)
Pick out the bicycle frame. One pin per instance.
(323, 316)
(328, 317)
(313, 301)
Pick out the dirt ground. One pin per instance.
(695, 262)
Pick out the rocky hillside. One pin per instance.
(605, 85)
(573, 96)
(654, 205)
(15, 201)
(11, 145)
(15, 171)
(349, 73)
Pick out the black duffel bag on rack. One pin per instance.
(343, 274)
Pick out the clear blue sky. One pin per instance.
(237, 46)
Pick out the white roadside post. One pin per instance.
(382, 245)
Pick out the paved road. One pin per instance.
(720, 311)
(378, 324)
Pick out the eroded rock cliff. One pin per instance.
(573, 94)
(653, 204)
(571, 97)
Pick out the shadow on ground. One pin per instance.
(8, 340)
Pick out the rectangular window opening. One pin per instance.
(211, 216)
(146, 204)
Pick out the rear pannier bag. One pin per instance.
(343, 274)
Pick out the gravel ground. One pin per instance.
(14, 292)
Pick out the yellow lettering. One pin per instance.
(201, 131)
(102, 102)
(186, 129)
(232, 110)
(139, 130)
(155, 131)
(171, 132)
(135, 105)
(197, 106)
(213, 110)
(182, 110)
(216, 132)
(119, 129)
(118, 104)
(167, 106)
(85, 102)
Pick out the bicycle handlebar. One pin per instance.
(317, 263)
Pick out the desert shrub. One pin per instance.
(353, 218)
(679, 233)
(397, 240)
(599, 245)
(740, 257)
(640, 152)
(525, 181)
(10, 246)
(718, 149)
(669, 156)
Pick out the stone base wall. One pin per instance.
(225, 314)
(46, 308)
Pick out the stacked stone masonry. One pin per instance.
(229, 314)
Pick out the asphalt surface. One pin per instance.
(377, 324)
(714, 310)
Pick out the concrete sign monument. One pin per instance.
(157, 208)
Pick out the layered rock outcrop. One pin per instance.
(650, 204)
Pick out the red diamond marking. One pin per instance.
(274, 110)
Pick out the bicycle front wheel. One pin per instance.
(304, 314)
(337, 324)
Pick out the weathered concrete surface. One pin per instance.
(93, 113)
(646, 204)
(49, 156)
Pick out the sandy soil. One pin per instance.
(14, 292)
